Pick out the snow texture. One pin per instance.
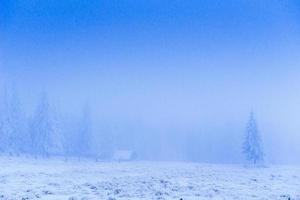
(26, 178)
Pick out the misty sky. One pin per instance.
(178, 63)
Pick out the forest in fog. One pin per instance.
(47, 131)
(165, 80)
(149, 99)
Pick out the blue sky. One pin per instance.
(202, 57)
(59, 35)
(171, 43)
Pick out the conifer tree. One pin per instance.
(14, 138)
(42, 129)
(252, 147)
(83, 141)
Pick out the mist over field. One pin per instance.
(186, 80)
(203, 86)
(173, 114)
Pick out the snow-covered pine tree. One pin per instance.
(4, 128)
(252, 147)
(84, 135)
(72, 136)
(69, 136)
(14, 138)
(42, 129)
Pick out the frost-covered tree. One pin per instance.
(68, 139)
(84, 136)
(5, 129)
(13, 134)
(71, 137)
(105, 141)
(252, 147)
(43, 130)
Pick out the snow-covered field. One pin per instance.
(22, 178)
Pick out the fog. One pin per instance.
(167, 80)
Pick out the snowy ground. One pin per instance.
(55, 179)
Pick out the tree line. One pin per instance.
(45, 133)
